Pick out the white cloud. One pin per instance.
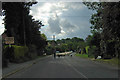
(54, 17)
(1, 25)
(67, 26)
(73, 5)
(47, 10)
(54, 25)
(62, 19)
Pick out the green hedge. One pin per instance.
(20, 51)
(16, 53)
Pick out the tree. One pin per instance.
(15, 15)
(69, 44)
(43, 36)
(106, 22)
(20, 25)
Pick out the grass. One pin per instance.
(113, 61)
(82, 55)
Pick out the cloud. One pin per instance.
(60, 27)
(47, 10)
(67, 26)
(63, 19)
(1, 25)
(54, 25)
(73, 5)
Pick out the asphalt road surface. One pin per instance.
(67, 67)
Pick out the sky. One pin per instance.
(1, 25)
(62, 19)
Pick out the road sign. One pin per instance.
(9, 40)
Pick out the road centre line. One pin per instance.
(76, 70)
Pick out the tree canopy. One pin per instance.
(105, 27)
(21, 25)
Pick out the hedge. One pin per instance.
(18, 52)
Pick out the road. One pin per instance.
(67, 67)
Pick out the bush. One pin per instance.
(49, 50)
(15, 53)
(8, 52)
(91, 51)
(87, 48)
(20, 51)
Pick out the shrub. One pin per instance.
(20, 51)
(49, 50)
(87, 48)
(15, 53)
(91, 51)
(8, 52)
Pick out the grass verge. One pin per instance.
(82, 55)
(113, 61)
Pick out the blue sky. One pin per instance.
(62, 19)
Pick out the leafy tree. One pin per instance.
(43, 36)
(20, 25)
(69, 44)
(106, 22)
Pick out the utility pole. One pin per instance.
(54, 37)
(54, 46)
(53, 43)
(24, 28)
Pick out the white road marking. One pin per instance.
(76, 70)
